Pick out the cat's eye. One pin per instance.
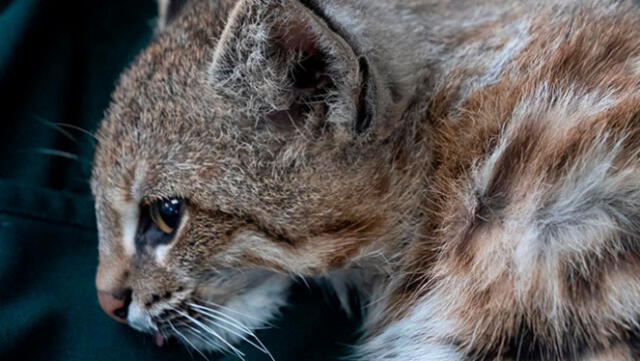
(166, 214)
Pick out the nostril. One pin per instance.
(116, 305)
(121, 313)
(125, 298)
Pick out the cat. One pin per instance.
(470, 167)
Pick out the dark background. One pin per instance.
(59, 61)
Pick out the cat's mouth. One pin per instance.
(206, 326)
(203, 326)
(204, 322)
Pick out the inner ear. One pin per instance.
(311, 80)
(310, 66)
(312, 76)
(288, 63)
(311, 73)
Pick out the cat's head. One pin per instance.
(251, 141)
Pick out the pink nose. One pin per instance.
(115, 305)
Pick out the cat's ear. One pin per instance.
(167, 10)
(283, 61)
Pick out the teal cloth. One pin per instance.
(59, 61)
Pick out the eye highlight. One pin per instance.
(166, 214)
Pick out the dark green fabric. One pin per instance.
(59, 61)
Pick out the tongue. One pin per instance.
(159, 339)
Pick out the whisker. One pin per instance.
(233, 311)
(57, 153)
(260, 346)
(62, 154)
(80, 129)
(243, 337)
(303, 279)
(57, 127)
(228, 319)
(212, 332)
(178, 333)
(202, 336)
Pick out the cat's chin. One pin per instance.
(236, 321)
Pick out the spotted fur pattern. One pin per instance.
(470, 166)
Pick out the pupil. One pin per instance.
(170, 210)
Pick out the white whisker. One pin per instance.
(82, 130)
(213, 333)
(211, 303)
(243, 337)
(178, 333)
(260, 346)
(200, 335)
(227, 319)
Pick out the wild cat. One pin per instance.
(471, 167)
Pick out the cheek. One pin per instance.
(203, 237)
(214, 241)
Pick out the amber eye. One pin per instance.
(166, 214)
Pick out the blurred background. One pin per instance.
(59, 62)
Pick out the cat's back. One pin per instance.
(535, 194)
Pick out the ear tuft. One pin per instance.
(167, 11)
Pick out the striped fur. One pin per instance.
(470, 166)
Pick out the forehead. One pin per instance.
(160, 114)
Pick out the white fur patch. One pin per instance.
(129, 210)
(563, 108)
(417, 337)
(139, 319)
(129, 220)
(227, 325)
(128, 213)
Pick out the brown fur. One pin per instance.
(440, 161)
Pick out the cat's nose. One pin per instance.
(115, 305)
